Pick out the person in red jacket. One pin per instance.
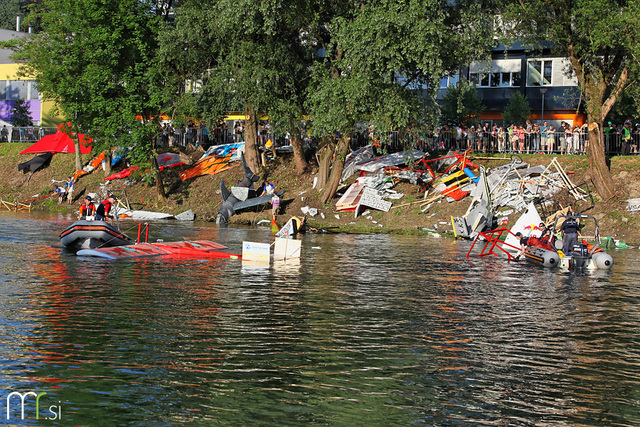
(87, 208)
(104, 209)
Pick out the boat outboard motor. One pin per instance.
(580, 256)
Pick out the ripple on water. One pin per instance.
(380, 330)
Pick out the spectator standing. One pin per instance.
(70, 183)
(501, 140)
(535, 138)
(551, 139)
(577, 144)
(584, 136)
(522, 134)
(626, 138)
(562, 142)
(515, 138)
(471, 138)
(543, 135)
(479, 138)
(568, 136)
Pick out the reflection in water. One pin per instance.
(380, 330)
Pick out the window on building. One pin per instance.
(484, 79)
(495, 79)
(516, 79)
(473, 79)
(447, 81)
(17, 89)
(34, 94)
(539, 72)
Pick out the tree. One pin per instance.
(250, 56)
(9, 10)
(461, 105)
(601, 39)
(517, 111)
(20, 114)
(381, 62)
(97, 61)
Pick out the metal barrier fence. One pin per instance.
(552, 143)
(494, 142)
(25, 134)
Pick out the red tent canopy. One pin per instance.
(59, 142)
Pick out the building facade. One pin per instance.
(546, 81)
(13, 88)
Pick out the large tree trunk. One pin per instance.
(336, 169)
(298, 151)
(76, 145)
(251, 153)
(598, 168)
(324, 164)
(159, 183)
(594, 87)
(107, 163)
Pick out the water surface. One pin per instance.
(363, 330)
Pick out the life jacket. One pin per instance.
(87, 210)
(104, 208)
(590, 247)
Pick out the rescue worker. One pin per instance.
(569, 230)
(523, 244)
(87, 208)
(104, 209)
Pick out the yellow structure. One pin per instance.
(13, 88)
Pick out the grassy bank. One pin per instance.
(202, 194)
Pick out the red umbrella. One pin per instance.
(59, 142)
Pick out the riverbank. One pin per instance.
(202, 194)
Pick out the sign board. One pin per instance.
(372, 199)
(287, 230)
(260, 252)
(287, 248)
(633, 205)
(240, 193)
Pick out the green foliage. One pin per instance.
(247, 54)
(20, 114)
(9, 9)
(97, 60)
(600, 37)
(461, 105)
(384, 59)
(627, 106)
(517, 110)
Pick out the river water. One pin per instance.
(363, 330)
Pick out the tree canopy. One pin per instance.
(517, 111)
(601, 38)
(97, 61)
(461, 105)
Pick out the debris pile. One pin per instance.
(377, 177)
(495, 193)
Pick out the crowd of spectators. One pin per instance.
(530, 138)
